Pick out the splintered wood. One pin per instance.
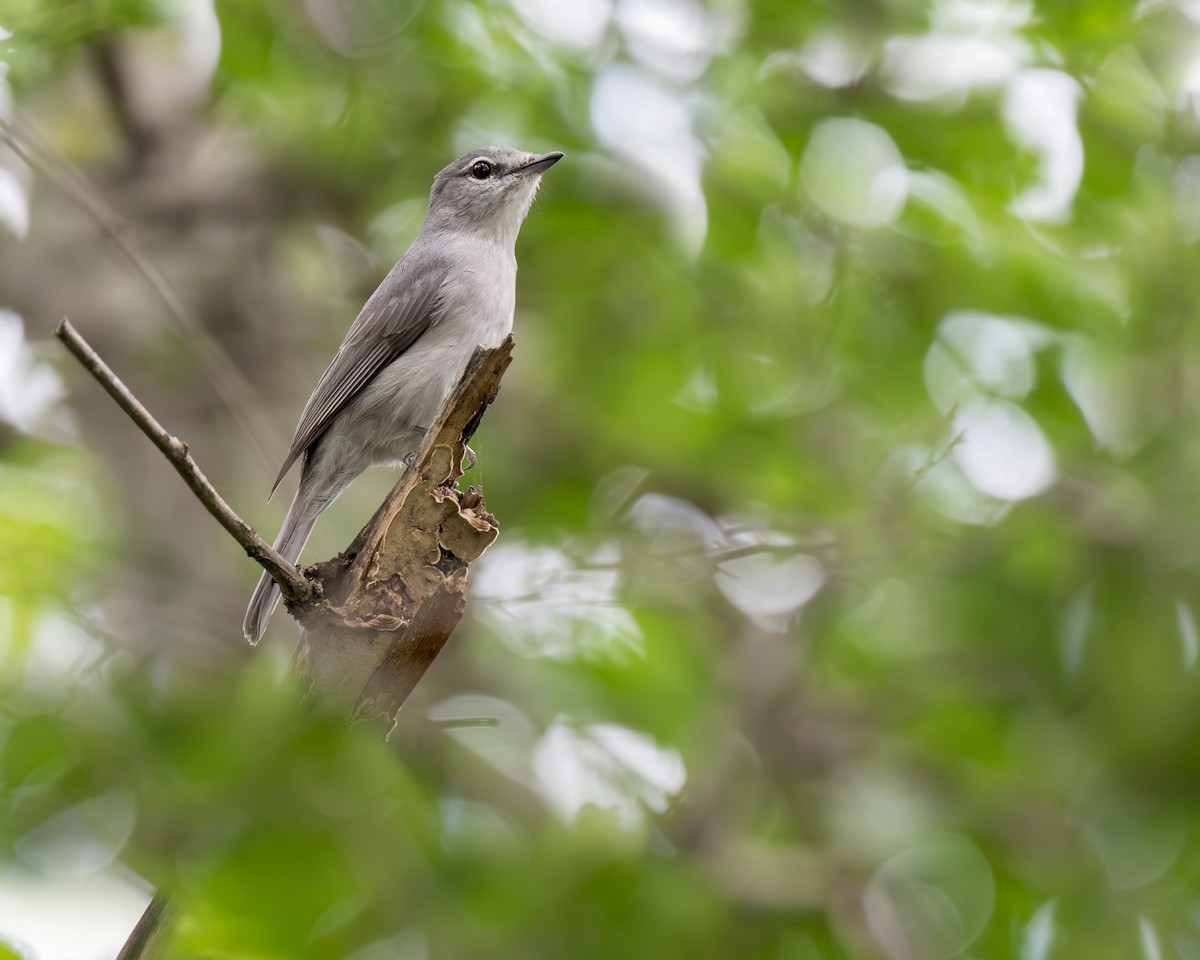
(391, 600)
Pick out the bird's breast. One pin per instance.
(478, 303)
(477, 309)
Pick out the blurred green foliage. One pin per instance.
(845, 604)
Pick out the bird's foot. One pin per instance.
(409, 458)
(469, 458)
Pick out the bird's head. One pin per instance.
(489, 189)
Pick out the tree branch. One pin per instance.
(150, 935)
(375, 617)
(293, 586)
(393, 598)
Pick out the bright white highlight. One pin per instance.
(854, 172)
(1003, 452)
(647, 127)
(971, 44)
(579, 24)
(608, 767)
(541, 604)
(31, 391)
(980, 354)
(1040, 109)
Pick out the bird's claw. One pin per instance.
(469, 458)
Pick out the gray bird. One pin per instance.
(453, 291)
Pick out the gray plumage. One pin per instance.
(453, 291)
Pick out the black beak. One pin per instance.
(541, 164)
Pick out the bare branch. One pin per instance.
(150, 935)
(397, 593)
(294, 586)
(935, 457)
(222, 373)
(381, 611)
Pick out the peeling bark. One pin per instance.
(391, 600)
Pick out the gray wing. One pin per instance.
(403, 307)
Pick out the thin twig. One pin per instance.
(222, 373)
(936, 456)
(150, 934)
(291, 583)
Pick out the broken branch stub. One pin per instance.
(393, 598)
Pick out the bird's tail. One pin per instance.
(297, 525)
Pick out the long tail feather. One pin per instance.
(297, 526)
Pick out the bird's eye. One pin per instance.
(482, 170)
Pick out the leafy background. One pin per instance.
(845, 603)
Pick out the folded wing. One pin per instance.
(406, 304)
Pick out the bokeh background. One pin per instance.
(846, 597)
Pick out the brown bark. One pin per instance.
(392, 599)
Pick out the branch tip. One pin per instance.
(293, 586)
